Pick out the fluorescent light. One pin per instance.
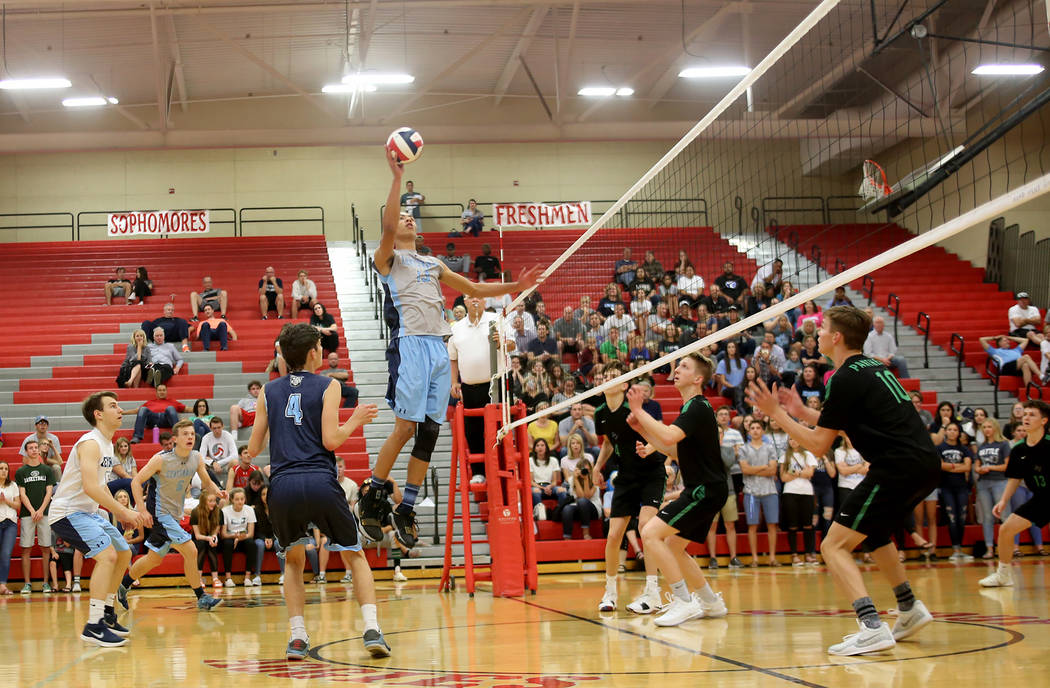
(87, 101)
(713, 72)
(112, 101)
(371, 78)
(348, 88)
(597, 91)
(1008, 69)
(36, 83)
(625, 91)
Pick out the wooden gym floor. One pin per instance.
(780, 622)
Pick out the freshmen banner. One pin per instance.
(541, 214)
(158, 222)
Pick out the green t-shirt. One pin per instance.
(35, 480)
(608, 349)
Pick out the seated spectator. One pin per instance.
(532, 395)
(583, 312)
(644, 281)
(118, 476)
(133, 535)
(544, 428)
(614, 348)
(304, 294)
(544, 347)
(325, 324)
(1043, 341)
(41, 433)
(589, 356)
(164, 360)
(209, 294)
(141, 287)
(160, 412)
(568, 331)
(347, 391)
(518, 334)
(214, 327)
(769, 274)
(460, 264)
(809, 384)
(532, 302)
(176, 330)
(793, 365)
(768, 365)
(494, 304)
(243, 412)
(202, 416)
(206, 522)
(653, 267)
(781, 329)
(516, 377)
(752, 301)
(1024, 317)
(219, 449)
(472, 219)
(668, 344)
(421, 248)
(730, 376)
(546, 479)
(595, 329)
(624, 269)
(241, 472)
(881, 346)
(51, 457)
(585, 502)
(566, 391)
(810, 313)
(657, 322)
(730, 283)
(1012, 360)
(487, 263)
(135, 361)
(539, 314)
(840, 298)
(118, 286)
(811, 355)
(690, 286)
(271, 294)
(619, 320)
(607, 305)
(641, 307)
(716, 302)
(681, 263)
(667, 290)
(916, 401)
(238, 535)
(577, 423)
(638, 351)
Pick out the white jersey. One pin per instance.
(70, 497)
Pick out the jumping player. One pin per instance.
(417, 358)
(301, 413)
(638, 490)
(74, 516)
(865, 400)
(1030, 462)
(169, 474)
(693, 439)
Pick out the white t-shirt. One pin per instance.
(801, 486)
(350, 489)
(300, 292)
(1044, 348)
(1017, 312)
(641, 307)
(850, 457)
(568, 468)
(690, 284)
(221, 450)
(732, 438)
(11, 494)
(544, 473)
(237, 521)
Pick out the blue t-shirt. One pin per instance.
(956, 453)
(293, 409)
(734, 374)
(1003, 356)
(993, 454)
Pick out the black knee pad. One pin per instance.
(426, 439)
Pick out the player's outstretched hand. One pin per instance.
(365, 413)
(790, 400)
(759, 395)
(530, 277)
(635, 398)
(396, 167)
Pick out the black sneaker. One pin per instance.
(375, 643)
(101, 635)
(405, 528)
(110, 621)
(713, 564)
(735, 563)
(371, 506)
(297, 650)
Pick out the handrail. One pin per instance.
(627, 212)
(816, 256)
(840, 265)
(241, 219)
(925, 331)
(960, 353)
(856, 202)
(81, 224)
(893, 305)
(820, 206)
(1032, 387)
(71, 225)
(994, 370)
(868, 288)
(738, 203)
(437, 501)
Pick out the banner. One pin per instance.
(157, 222)
(541, 214)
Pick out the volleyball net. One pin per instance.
(864, 120)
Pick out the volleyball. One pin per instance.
(406, 143)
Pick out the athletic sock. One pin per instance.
(377, 483)
(652, 583)
(110, 599)
(681, 591)
(1005, 569)
(707, 595)
(96, 610)
(905, 597)
(368, 612)
(297, 624)
(127, 580)
(866, 612)
(408, 498)
(199, 592)
(610, 584)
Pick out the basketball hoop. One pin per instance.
(874, 185)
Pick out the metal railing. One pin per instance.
(994, 370)
(924, 330)
(87, 219)
(867, 287)
(33, 217)
(426, 214)
(799, 204)
(851, 207)
(307, 210)
(893, 306)
(1033, 391)
(960, 352)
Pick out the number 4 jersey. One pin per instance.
(293, 410)
(866, 400)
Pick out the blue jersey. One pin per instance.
(293, 409)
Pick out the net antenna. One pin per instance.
(873, 186)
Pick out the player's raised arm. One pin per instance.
(261, 426)
(661, 436)
(818, 439)
(391, 216)
(332, 433)
(461, 284)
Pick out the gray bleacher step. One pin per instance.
(15, 374)
(61, 360)
(87, 348)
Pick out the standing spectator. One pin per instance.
(41, 424)
(769, 274)
(175, 329)
(304, 294)
(1024, 317)
(160, 412)
(469, 349)
(206, 521)
(653, 267)
(238, 535)
(347, 391)
(797, 467)
(325, 324)
(758, 463)
(214, 326)
(141, 287)
(730, 283)
(728, 512)
(219, 449)
(472, 219)
(1012, 360)
(729, 375)
(487, 263)
(164, 361)
(460, 264)
(10, 506)
(624, 269)
(209, 294)
(569, 331)
(881, 346)
(118, 286)
(852, 468)
(823, 481)
(271, 294)
(992, 456)
(955, 486)
(411, 200)
(36, 485)
(135, 361)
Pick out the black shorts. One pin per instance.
(298, 500)
(693, 512)
(1036, 510)
(1009, 369)
(632, 492)
(271, 298)
(214, 303)
(882, 502)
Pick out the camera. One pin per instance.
(585, 471)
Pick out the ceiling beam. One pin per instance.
(20, 103)
(368, 27)
(180, 75)
(566, 66)
(511, 67)
(158, 74)
(846, 66)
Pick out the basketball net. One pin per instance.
(874, 184)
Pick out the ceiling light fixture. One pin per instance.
(38, 83)
(377, 78)
(713, 72)
(1008, 70)
(605, 91)
(89, 101)
(348, 88)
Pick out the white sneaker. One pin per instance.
(399, 577)
(230, 583)
(347, 578)
(76, 587)
(715, 610)
(247, 581)
(679, 612)
(539, 512)
(1001, 578)
(646, 603)
(280, 581)
(257, 580)
(608, 603)
(910, 622)
(477, 480)
(864, 641)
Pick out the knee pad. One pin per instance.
(426, 439)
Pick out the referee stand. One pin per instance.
(507, 506)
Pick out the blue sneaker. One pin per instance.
(375, 643)
(297, 650)
(122, 597)
(99, 634)
(113, 625)
(207, 602)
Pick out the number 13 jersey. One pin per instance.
(293, 410)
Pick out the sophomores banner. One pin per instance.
(158, 222)
(541, 214)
